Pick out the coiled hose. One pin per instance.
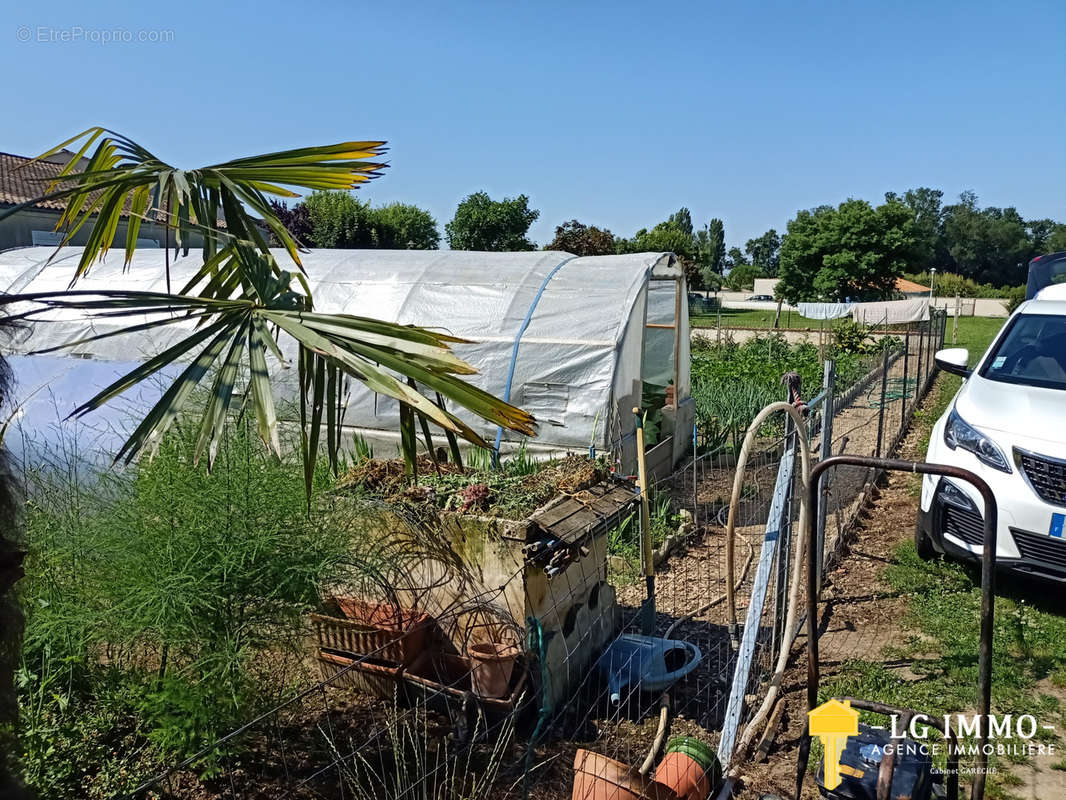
(791, 615)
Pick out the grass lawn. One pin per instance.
(755, 318)
(974, 332)
(943, 600)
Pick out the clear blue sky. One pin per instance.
(615, 113)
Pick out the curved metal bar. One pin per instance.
(988, 577)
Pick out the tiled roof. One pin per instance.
(21, 180)
(909, 287)
(19, 185)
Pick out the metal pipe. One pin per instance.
(988, 568)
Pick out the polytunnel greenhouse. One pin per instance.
(577, 341)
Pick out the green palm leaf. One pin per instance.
(120, 174)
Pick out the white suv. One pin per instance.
(1008, 424)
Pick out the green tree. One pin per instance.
(582, 240)
(710, 249)
(928, 216)
(733, 259)
(764, 252)
(853, 252)
(667, 237)
(664, 237)
(339, 220)
(1039, 231)
(481, 223)
(401, 226)
(742, 277)
(1057, 240)
(682, 220)
(990, 245)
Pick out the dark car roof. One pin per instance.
(1043, 271)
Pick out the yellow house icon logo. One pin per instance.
(833, 722)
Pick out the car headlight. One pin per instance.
(957, 433)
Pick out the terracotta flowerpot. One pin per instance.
(597, 777)
(491, 666)
(689, 769)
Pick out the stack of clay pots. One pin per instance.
(688, 771)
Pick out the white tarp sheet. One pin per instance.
(891, 312)
(571, 369)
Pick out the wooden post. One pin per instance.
(647, 624)
(955, 324)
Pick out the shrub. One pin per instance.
(1015, 297)
(949, 284)
(852, 337)
(153, 596)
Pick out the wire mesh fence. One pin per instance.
(538, 658)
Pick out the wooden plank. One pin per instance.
(591, 519)
(571, 519)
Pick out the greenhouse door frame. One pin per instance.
(660, 457)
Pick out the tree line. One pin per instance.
(853, 250)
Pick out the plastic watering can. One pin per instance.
(651, 663)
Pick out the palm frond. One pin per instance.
(121, 175)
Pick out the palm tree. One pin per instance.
(242, 300)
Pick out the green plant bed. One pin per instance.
(519, 487)
(732, 381)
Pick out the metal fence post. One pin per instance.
(826, 450)
(906, 371)
(918, 370)
(881, 405)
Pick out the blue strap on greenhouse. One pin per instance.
(517, 342)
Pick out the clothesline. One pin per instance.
(888, 312)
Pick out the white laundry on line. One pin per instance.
(824, 310)
(891, 312)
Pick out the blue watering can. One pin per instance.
(651, 663)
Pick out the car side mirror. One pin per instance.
(955, 360)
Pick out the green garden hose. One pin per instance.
(895, 389)
(536, 643)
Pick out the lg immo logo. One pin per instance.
(833, 722)
(1012, 735)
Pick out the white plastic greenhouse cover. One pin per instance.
(579, 324)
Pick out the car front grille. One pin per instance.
(965, 525)
(1047, 476)
(1037, 547)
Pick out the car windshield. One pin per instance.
(1032, 352)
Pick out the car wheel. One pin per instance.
(923, 543)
